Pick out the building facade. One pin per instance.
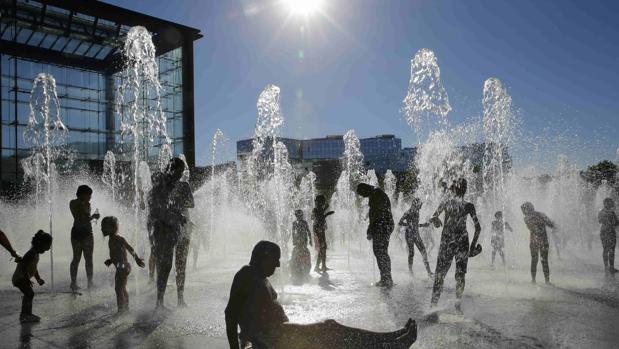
(381, 153)
(80, 43)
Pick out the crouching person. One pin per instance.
(26, 269)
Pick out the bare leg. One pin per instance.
(334, 335)
(182, 249)
(77, 256)
(88, 244)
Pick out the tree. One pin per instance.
(602, 171)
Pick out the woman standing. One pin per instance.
(82, 240)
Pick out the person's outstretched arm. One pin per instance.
(508, 227)
(473, 213)
(138, 260)
(4, 241)
(435, 220)
(329, 213)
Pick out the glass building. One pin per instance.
(79, 43)
(380, 153)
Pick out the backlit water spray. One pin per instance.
(46, 135)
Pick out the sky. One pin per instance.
(348, 67)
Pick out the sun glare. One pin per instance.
(303, 7)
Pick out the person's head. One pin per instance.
(527, 208)
(320, 200)
(175, 169)
(609, 204)
(41, 241)
(364, 189)
(459, 187)
(298, 214)
(498, 215)
(109, 225)
(84, 192)
(265, 257)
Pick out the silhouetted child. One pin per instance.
(498, 236)
(118, 256)
(608, 220)
(26, 269)
(410, 220)
(319, 216)
(301, 235)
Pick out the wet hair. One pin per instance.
(109, 223)
(609, 203)
(498, 214)
(41, 239)
(527, 207)
(459, 187)
(263, 250)
(364, 189)
(298, 214)
(176, 164)
(83, 190)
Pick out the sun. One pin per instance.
(303, 7)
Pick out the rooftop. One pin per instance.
(84, 34)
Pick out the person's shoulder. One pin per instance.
(30, 256)
(246, 272)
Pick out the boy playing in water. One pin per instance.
(410, 220)
(498, 236)
(319, 216)
(455, 239)
(537, 223)
(118, 256)
(26, 269)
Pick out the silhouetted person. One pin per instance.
(379, 230)
(167, 201)
(181, 201)
(537, 222)
(608, 219)
(82, 240)
(4, 241)
(300, 261)
(319, 217)
(454, 239)
(118, 257)
(498, 236)
(26, 269)
(253, 307)
(410, 220)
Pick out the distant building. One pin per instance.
(381, 153)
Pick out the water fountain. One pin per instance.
(45, 135)
(498, 124)
(109, 176)
(142, 119)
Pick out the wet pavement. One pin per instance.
(501, 307)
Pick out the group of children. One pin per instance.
(41, 242)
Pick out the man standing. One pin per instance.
(167, 202)
(379, 230)
(537, 223)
